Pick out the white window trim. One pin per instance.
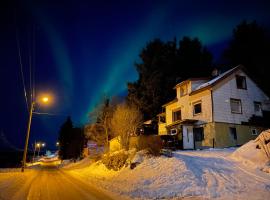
(173, 129)
(236, 112)
(260, 105)
(254, 129)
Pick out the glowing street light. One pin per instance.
(44, 99)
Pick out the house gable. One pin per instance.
(226, 92)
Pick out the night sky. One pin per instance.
(80, 51)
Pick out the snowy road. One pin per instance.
(46, 183)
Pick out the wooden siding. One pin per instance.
(227, 89)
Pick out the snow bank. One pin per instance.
(69, 164)
(206, 174)
(255, 153)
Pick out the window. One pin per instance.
(177, 115)
(197, 108)
(199, 134)
(173, 131)
(241, 82)
(233, 133)
(254, 131)
(162, 119)
(236, 106)
(257, 106)
(183, 90)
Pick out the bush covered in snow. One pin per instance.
(115, 160)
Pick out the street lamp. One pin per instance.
(45, 99)
(39, 145)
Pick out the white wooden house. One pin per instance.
(216, 112)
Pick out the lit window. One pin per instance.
(241, 82)
(236, 106)
(257, 106)
(197, 108)
(254, 131)
(177, 115)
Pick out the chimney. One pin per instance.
(215, 72)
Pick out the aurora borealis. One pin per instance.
(87, 49)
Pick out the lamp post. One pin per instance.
(44, 99)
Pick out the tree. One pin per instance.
(125, 121)
(250, 46)
(71, 141)
(65, 138)
(162, 66)
(100, 130)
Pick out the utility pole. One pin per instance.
(34, 152)
(27, 136)
(45, 99)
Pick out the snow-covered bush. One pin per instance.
(115, 160)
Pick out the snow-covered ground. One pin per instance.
(232, 173)
(207, 174)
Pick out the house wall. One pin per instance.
(227, 89)
(169, 110)
(209, 134)
(115, 144)
(244, 134)
(162, 130)
(206, 115)
(186, 105)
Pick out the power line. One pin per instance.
(34, 62)
(30, 65)
(21, 66)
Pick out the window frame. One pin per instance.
(254, 129)
(194, 104)
(243, 79)
(173, 115)
(235, 112)
(260, 106)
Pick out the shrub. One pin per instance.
(153, 144)
(115, 161)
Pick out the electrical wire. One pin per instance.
(21, 68)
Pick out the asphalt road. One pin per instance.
(48, 183)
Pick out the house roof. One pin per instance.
(216, 80)
(171, 102)
(208, 84)
(190, 79)
(184, 121)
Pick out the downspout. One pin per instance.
(212, 105)
(212, 114)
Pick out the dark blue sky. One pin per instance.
(85, 50)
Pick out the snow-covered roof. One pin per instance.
(213, 81)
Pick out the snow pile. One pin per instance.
(255, 153)
(69, 164)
